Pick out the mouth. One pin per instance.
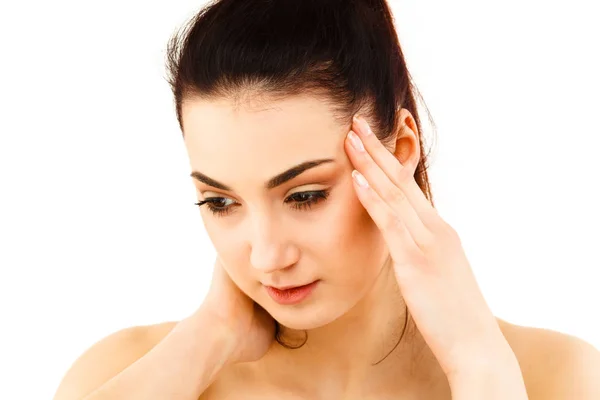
(292, 294)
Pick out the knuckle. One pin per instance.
(447, 232)
(393, 224)
(440, 225)
(427, 241)
(430, 218)
(452, 235)
(395, 196)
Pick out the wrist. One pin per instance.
(214, 330)
(486, 353)
(489, 377)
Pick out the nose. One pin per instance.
(271, 248)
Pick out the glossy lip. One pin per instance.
(289, 286)
(288, 295)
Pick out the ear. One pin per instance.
(406, 145)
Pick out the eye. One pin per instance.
(305, 200)
(301, 201)
(215, 205)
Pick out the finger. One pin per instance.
(386, 190)
(392, 167)
(399, 240)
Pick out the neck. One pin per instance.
(363, 347)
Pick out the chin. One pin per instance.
(301, 324)
(304, 318)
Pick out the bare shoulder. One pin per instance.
(228, 380)
(108, 357)
(117, 351)
(555, 366)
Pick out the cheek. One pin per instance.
(343, 237)
(353, 239)
(230, 249)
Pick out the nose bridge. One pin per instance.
(269, 243)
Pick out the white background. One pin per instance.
(98, 230)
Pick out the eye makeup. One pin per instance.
(302, 201)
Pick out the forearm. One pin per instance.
(181, 366)
(501, 381)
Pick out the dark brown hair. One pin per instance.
(346, 52)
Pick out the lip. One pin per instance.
(288, 287)
(289, 295)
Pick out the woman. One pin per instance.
(335, 278)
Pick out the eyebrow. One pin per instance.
(272, 183)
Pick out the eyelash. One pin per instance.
(315, 197)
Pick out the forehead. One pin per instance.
(270, 137)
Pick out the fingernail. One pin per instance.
(360, 179)
(356, 142)
(364, 125)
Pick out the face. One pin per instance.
(291, 231)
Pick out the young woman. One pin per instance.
(335, 278)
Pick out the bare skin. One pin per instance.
(543, 356)
(551, 362)
(356, 313)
